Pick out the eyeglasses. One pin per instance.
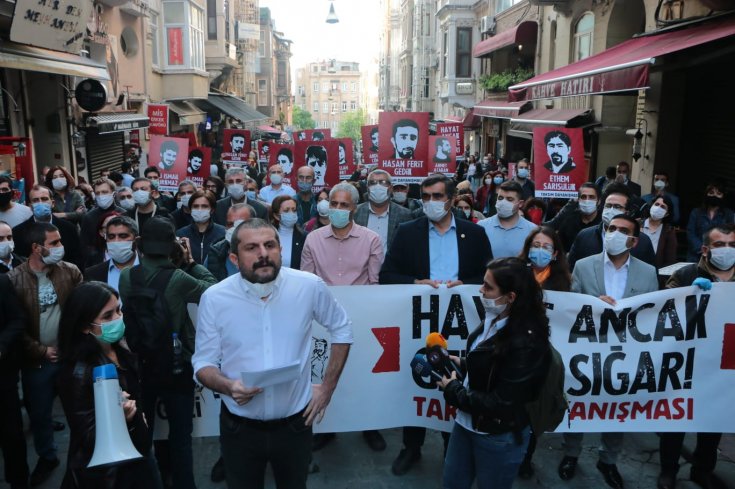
(382, 183)
(547, 247)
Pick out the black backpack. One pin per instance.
(547, 411)
(148, 327)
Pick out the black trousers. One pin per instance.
(413, 437)
(704, 457)
(12, 438)
(248, 446)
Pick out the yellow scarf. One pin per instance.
(542, 275)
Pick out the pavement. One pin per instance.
(348, 463)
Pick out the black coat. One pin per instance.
(408, 256)
(14, 262)
(69, 238)
(589, 242)
(223, 205)
(12, 327)
(97, 273)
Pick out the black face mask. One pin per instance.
(5, 198)
(713, 201)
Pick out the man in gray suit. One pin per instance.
(611, 275)
(380, 213)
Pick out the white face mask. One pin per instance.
(657, 212)
(587, 207)
(323, 208)
(142, 197)
(260, 290)
(185, 200)
(488, 181)
(467, 212)
(201, 215)
(435, 210)
(505, 209)
(400, 197)
(616, 243)
(609, 214)
(659, 184)
(6, 248)
(59, 183)
(231, 231)
(492, 308)
(104, 201)
(236, 190)
(289, 219)
(722, 258)
(378, 193)
(276, 179)
(127, 204)
(120, 251)
(55, 255)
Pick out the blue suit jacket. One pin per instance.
(408, 256)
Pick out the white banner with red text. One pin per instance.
(663, 361)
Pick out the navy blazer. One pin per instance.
(589, 242)
(408, 256)
(223, 205)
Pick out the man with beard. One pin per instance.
(559, 148)
(237, 143)
(405, 138)
(280, 305)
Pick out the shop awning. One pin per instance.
(471, 120)
(187, 113)
(499, 109)
(523, 33)
(117, 122)
(21, 57)
(550, 117)
(622, 68)
(234, 107)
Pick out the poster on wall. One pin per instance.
(404, 142)
(313, 135)
(169, 155)
(48, 24)
(282, 154)
(198, 167)
(443, 157)
(175, 37)
(370, 139)
(456, 130)
(560, 167)
(235, 147)
(158, 115)
(346, 158)
(323, 157)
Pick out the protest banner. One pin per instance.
(282, 154)
(235, 147)
(456, 130)
(346, 158)
(443, 156)
(322, 156)
(403, 149)
(313, 135)
(264, 152)
(170, 155)
(370, 139)
(198, 167)
(656, 362)
(564, 168)
(158, 119)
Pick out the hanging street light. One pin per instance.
(332, 17)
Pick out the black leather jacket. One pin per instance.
(500, 384)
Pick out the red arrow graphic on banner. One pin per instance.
(728, 348)
(390, 339)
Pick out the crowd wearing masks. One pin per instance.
(108, 279)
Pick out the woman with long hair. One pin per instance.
(487, 195)
(322, 217)
(465, 203)
(91, 331)
(657, 225)
(68, 202)
(505, 367)
(282, 214)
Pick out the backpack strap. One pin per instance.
(159, 282)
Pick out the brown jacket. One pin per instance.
(65, 276)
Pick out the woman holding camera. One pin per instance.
(506, 365)
(91, 331)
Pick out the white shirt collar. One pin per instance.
(607, 261)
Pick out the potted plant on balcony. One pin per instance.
(499, 82)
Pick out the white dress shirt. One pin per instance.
(615, 279)
(654, 235)
(238, 332)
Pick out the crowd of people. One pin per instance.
(105, 276)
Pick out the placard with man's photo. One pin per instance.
(323, 157)
(282, 154)
(235, 147)
(170, 156)
(403, 148)
(199, 164)
(560, 167)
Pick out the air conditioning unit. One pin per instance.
(487, 25)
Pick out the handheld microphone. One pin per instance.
(438, 356)
(436, 339)
(421, 367)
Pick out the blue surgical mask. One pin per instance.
(41, 210)
(523, 173)
(112, 331)
(251, 195)
(540, 257)
(304, 186)
(497, 180)
(288, 219)
(339, 218)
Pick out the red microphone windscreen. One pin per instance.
(436, 339)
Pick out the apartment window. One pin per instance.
(335, 86)
(315, 87)
(334, 107)
(314, 69)
(155, 41)
(505, 4)
(583, 36)
(302, 92)
(325, 87)
(316, 107)
(353, 106)
(334, 125)
(345, 85)
(326, 107)
(325, 124)
(262, 93)
(212, 20)
(445, 44)
(464, 52)
(354, 87)
(282, 72)
(261, 44)
(344, 106)
(184, 26)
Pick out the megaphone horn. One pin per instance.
(112, 444)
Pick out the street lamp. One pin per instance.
(332, 17)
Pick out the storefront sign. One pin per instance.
(91, 95)
(464, 89)
(53, 24)
(158, 115)
(248, 31)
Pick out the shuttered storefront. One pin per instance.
(105, 152)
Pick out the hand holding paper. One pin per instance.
(241, 394)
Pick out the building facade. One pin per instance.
(330, 90)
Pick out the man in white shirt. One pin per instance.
(277, 187)
(611, 275)
(261, 319)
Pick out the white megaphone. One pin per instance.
(112, 444)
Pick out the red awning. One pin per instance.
(471, 121)
(269, 129)
(553, 117)
(499, 109)
(523, 33)
(621, 68)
